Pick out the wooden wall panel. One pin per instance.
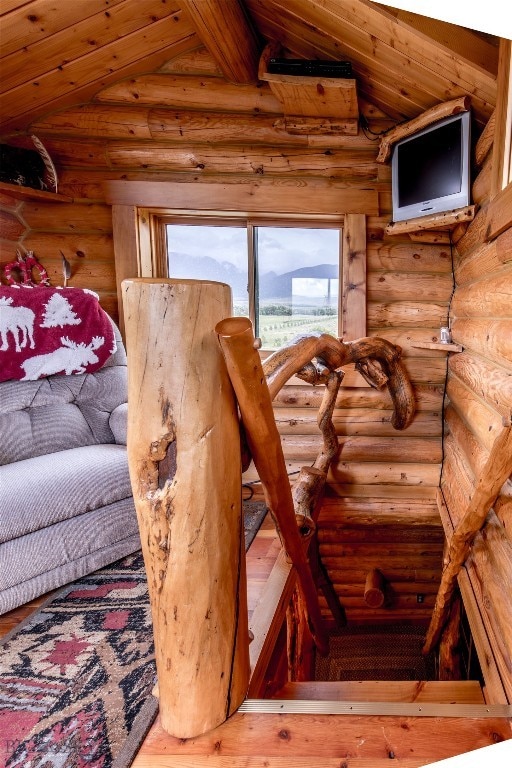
(201, 133)
(479, 391)
(12, 231)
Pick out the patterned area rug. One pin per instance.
(76, 677)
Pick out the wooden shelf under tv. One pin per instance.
(446, 220)
(28, 193)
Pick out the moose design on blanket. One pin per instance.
(46, 331)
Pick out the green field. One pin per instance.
(277, 330)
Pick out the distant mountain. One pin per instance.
(271, 285)
(206, 268)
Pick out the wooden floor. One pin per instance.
(262, 740)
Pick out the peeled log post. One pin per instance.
(185, 470)
(245, 370)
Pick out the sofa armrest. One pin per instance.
(118, 423)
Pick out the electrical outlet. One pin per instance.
(420, 598)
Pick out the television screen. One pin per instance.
(430, 170)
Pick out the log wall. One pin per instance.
(479, 391)
(185, 123)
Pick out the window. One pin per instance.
(284, 277)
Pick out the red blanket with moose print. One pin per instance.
(46, 331)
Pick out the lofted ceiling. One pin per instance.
(55, 54)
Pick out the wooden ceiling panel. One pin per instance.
(401, 63)
(92, 55)
(57, 54)
(40, 19)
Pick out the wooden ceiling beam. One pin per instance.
(226, 31)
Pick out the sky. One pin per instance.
(281, 249)
(491, 16)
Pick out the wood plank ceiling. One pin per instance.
(55, 54)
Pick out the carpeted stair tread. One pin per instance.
(373, 652)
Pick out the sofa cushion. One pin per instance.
(61, 412)
(60, 486)
(61, 553)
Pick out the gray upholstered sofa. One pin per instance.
(66, 504)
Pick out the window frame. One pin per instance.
(136, 207)
(156, 222)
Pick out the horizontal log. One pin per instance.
(396, 601)
(357, 421)
(405, 566)
(407, 257)
(363, 513)
(406, 314)
(182, 127)
(400, 286)
(484, 422)
(475, 234)
(481, 188)
(367, 474)
(462, 440)
(490, 382)
(189, 91)
(80, 153)
(485, 140)
(428, 398)
(378, 534)
(499, 213)
(402, 579)
(361, 449)
(485, 259)
(410, 551)
(391, 492)
(503, 510)
(96, 121)
(79, 245)
(489, 297)
(241, 159)
(380, 472)
(91, 182)
(491, 555)
(99, 276)
(457, 482)
(68, 217)
(490, 338)
(253, 197)
(11, 228)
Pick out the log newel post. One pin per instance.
(185, 470)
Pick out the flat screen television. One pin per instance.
(431, 169)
